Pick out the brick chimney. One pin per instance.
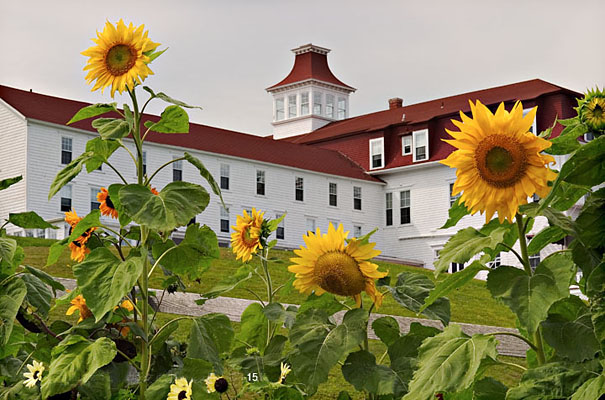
(395, 102)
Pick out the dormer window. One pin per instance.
(342, 108)
(292, 106)
(304, 103)
(406, 145)
(329, 105)
(421, 145)
(279, 109)
(317, 103)
(376, 153)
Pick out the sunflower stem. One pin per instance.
(117, 172)
(523, 244)
(148, 180)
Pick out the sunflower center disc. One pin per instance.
(109, 202)
(247, 239)
(501, 161)
(338, 273)
(120, 58)
(182, 395)
(35, 376)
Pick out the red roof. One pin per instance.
(201, 137)
(423, 112)
(311, 62)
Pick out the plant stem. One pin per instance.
(522, 368)
(117, 172)
(540, 346)
(523, 244)
(161, 167)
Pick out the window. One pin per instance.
(177, 171)
(225, 176)
(421, 145)
(452, 197)
(356, 230)
(299, 189)
(342, 108)
(260, 182)
(311, 225)
(534, 128)
(292, 106)
(389, 208)
(279, 109)
(304, 103)
(535, 198)
(66, 198)
(94, 202)
(496, 262)
(356, 197)
(66, 148)
(317, 103)
(224, 219)
(404, 206)
(279, 233)
(329, 106)
(406, 145)
(588, 136)
(144, 162)
(455, 267)
(376, 153)
(534, 261)
(191, 221)
(332, 194)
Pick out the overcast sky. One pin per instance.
(223, 54)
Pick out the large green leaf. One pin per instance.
(197, 163)
(361, 371)
(15, 341)
(465, 244)
(449, 362)
(8, 248)
(104, 279)
(567, 141)
(111, 128)
(74, 361)
(38, 294)
(598, 319)
(387, 329)
(68, 173)
(590, 224)
(12, 293)
(489, 389)
(326, 302)
(102, 149)
(193, 255)
(164, 96)
(4, 183)
(318, 345)
(89, 221)
(211, 335)
(98, 387)
(29, 220)
(455, 213)
(591, 389)
(566, 195)
(92, 111)
(253, 329)
(543, 238)
(531, 297)
(411, 291)
(587, 165)
(173, 120)
(243, 273)
(176, 204)
(113, 191)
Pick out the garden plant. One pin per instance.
(118, 350)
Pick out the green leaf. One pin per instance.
(587, 165)
(387, 329)
(98, 387)
(4, 183)
(113, 191)
(89, 221)
(111, 128)
(173, 120)
(318, 347)
(159, 389)
(211, 335)
(104, 279)
(288, 393)
(489, 389)
(253, 329)
(29, 220)
(590, 224)
(92, 111)
(155, 54)
(196, 368)
(165, 97)
(545, 237)
(566, 194)
(242, 274)
(12, 293)
(102, 149)
(557, 218)
(69, 172)
(274, 224)
(567, 141)
(159, 339)
(465, 244)
(14, 342)
(176, 204)
(193, 255)
(591, 389)
(8, 248)
(449, 362)
(326, 302)
(343, 396)
(568, 329)
(531, 297)
(451, 282)
(206, 175)
(38, 294)
(456, 212)
(74, 361)
(360, 370)
(411, 291)
(595, 282)
(273, 353)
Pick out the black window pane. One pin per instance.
(177, 175)
(405, 215)
(225, 182)
(389, 217)
(191, 221)
(224, 225)
(299, 195)
(357, 204)
(144, 169)
(260, 188)
(280, 232)
(420, 153)
(65, 204)
(333, 200)
(94, 205)
(376, 161)
(65, 157)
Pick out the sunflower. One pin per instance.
(246, 238)
(78, 247)
(216, 383)
(79, 303)
(328, 265)
(285, 370)
(498, 160)
(592, 110)
(119, 58)
(180, 389)
(107, 207)
(34, 375)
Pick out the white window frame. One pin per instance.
(144, 155)
(281, 225)
(301, 180)
(404, 139)
(452, 197)
(67, 145)
(280, 109)
(407, 205)
(261, 178)
(93, 197)
(305, 106)
(330, 106)
(534, 125)
(292, 106)
(224, 216)
(341, 112)
(496, 262)
(381, 141)
(415, 134)
(317, 103)
(357, 231)
(310, 223)
(63, 195)
(459, 267)
(332, 191)
(177, 166)
(357, 195)
(224, 173)
(388, 201)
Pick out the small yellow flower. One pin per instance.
(34, 375)
(180, 390)
(245, 241)
(79, 303)
(127, 304)
(216, 383)
(285, 370)
(106, 207)
(592, 110)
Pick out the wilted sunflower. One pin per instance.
(79, 303)
(78, 247)
(498, 160)
(34, 375)
(180, 390)
(246, 238)
(592, 110)
(216, 383)
(285, 370)
(119, 58)
(330, 265)
(154, 191)
(107, 207)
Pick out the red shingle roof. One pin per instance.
(201, 137)
(423, 112)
